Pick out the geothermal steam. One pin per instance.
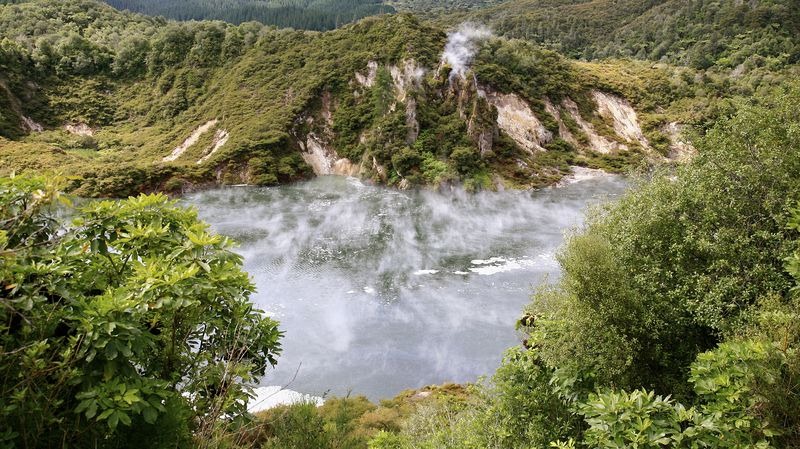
(462, 45)
(379, 290)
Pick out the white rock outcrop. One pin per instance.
(563, 131)
(29, 124)
(79, 129)
(598, 143)
(368, 80)
(405, 78)
(679, 149)
(412, 125)
(324, 160)
(221, 137)
(515, 117)
(622, 116)
(191, 140)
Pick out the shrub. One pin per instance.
(465, 160)
(132, 319)
(680, 263)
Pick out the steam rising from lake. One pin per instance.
(380, 290)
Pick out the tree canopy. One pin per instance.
(300, 14)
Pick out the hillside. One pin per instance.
(128, 103)
(301, 14)
(697, 33)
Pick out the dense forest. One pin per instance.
(302, 14)
(696, 33)
(675, 322)
(427, 7)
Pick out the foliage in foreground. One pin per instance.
(340, 423)
(121, 321)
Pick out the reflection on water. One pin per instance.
(380, 290)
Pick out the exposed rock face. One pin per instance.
(379, 169)
(318, 151)
(30, 125)
(327, 108)
(406, 77)
(324, 160)
(611, 126)
(474, 108)
(368, 80)
(27, 123)
(597, 142)
(191, 140)
(317, 156)
(515, 117)
(563, 131)
(220, 139)
(79, 129)
(412, 125)
(344, 167)
(482, 124)
(622, 116)
(679, 149)
(484, 138)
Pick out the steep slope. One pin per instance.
(698, 33)
(129, 103)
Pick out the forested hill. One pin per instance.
(125, 103)
(697, 33)
(300, 14)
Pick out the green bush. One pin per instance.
(466, 160)
(388, 440)
(680, 263)
(131, 318)
(297, 426)
(728, 413)
(637, 419)
(406, 161)
(525, 409)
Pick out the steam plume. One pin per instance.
(462, 45)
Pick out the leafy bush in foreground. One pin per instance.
(131, 324)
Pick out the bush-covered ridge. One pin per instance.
(142, 86)
(130, 89)
(696, 33)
